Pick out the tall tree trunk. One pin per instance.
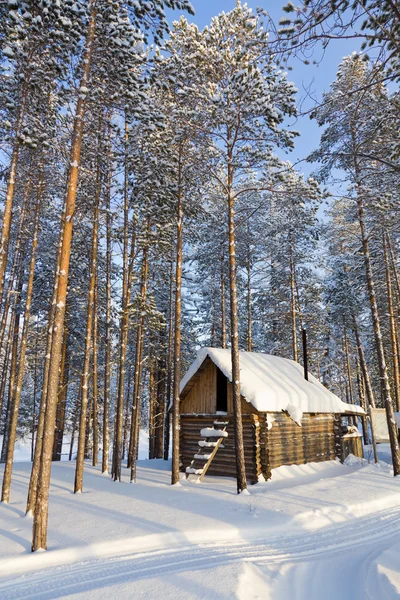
(169, 363)
(16, 389)
(237, 401)
(123, 348)
(108, 329)
(160, 405)
(363, 364)
(177, 328)
(249, 315)
(223, 304)
(127, 412)
(16, 258)
(363, 404)
(39, 538)
(152, 404)
(367, 383)
(135, 422)
(293, 303)
(393, 335)
(62, 398)
(383, 372)
(33, 481)
(95, 416)
(12, 178)
(13, 369)
(350, 398)
(80, 457)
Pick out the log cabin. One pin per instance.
(287, 419)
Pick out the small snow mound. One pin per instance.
(211, 432)
(244, 492)
(355, 461)
(295, 412)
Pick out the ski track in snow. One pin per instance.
(306, 561)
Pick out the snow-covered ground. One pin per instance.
(318, 531)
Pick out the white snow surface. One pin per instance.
(320, 530)
(211, 432)
(272, 384)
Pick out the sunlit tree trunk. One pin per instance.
(16, 389)
(394, 446)
(293, 304)
(62, 398)
(33, 481)
(223, 304)
(124, 326)
(39, 538)
(95, 381)
(13, 366)
(135, 422)
(169, 363)
(237, 401)
(88, 341)
(108, 330)
(249, 315)
(177, 328)
(393, 336)
(124, 337)
(11, 183)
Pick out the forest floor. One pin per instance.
(316, 531)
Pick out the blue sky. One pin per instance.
(317, 78)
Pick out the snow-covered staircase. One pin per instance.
(212, 438)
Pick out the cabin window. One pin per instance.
(222, 392)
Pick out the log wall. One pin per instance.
(224, 463)
(318, 439)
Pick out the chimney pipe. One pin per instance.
(305, 354)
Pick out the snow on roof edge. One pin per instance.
(272, 383)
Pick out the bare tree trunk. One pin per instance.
(6, 364)
(80, 457)
(95, 416)
(16, 258)
(249, 319)
(393, 335)
(39, 540)
(237, 401)
(177, 329)
(14, 364)
(363, 364)
(8, 203)
(33, 482)
(223, 309)
(62, 399)
(108, 332)
(293, 304)
(394, 446)
(152, 405)
(126, 417)
(135, 422)
(35, 386)
(363, 404)
(75, 423)
(16, 389)
(160, 405)
(367, 382)
(124, 337)
(169, 364)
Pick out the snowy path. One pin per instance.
(320, 531)
(308, 563)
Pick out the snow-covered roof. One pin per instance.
(272, 383)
